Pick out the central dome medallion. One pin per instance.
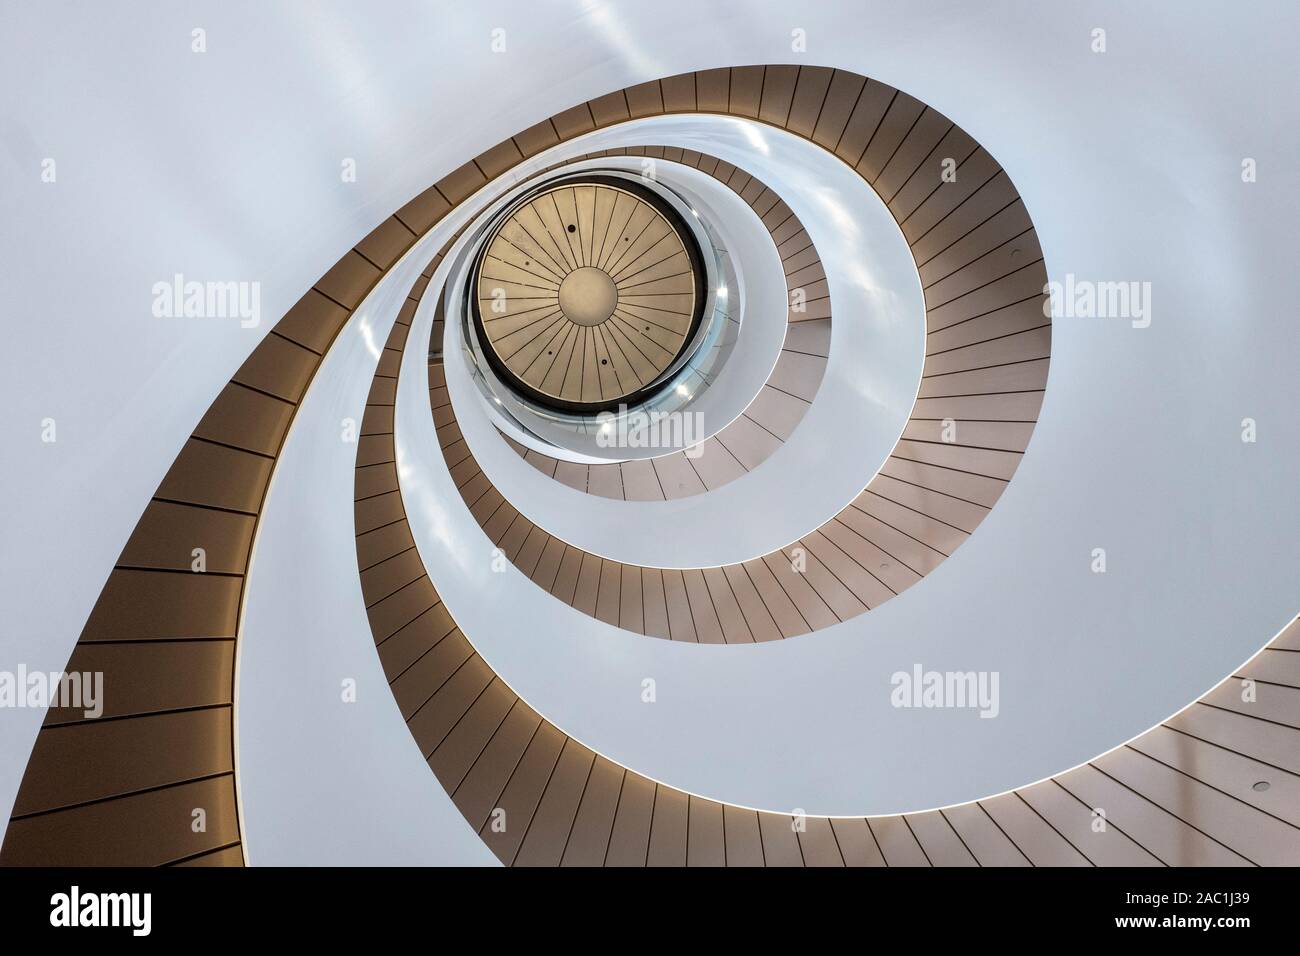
(587, 293)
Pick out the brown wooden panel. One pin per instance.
(432, 722)
(715, 465)
(1236, 770)
(1103, 845)
(1035, 839)
(144, 830)
(930, 532)
(246, 419)
(453, 758)
(498, 159)
(757, 617)
(549, 831)
(136, 605)
(1162, 834)
(1276, 702)
(896, 842)
(1019, 347)
(95, 760)
(168, 534)
(417, 686)
(376, 479)
(811, 337)
(668, 828)
(706, 844)
(747, 442)
(609, 109)
(857, 845)
(587, 590)
(735, 630)
(898, 121)
(972, 174)
(481, 789)
(828, 580)
(411, 642)
(424, 210)
(777, 601)
(744, 844)
(1260, 838)
(899, 560)
(150, 678)
(798, 374)
(645, 99)
(378, 511)
(654, 605)
(986, 841)
(885, 573)
(640, 482)
(629, 841)
(573, 122)
(382, 543)
(280, 367)
(462, 182)
(777, 94)
(589, 838)
(1275, 666)
(780, 844)
(868, 111)
(976, 489)
(519, 800)
(378, 420)
(920, 140)
(713, 89)
(209, 474)
(939, 841)
(704, 617)
(841, 97)
(932, 174)
(1013, 407)
(386, 242)
(679, 93)
(405, 606)
(928, 240)
(230, 856)
(676, 476)
(806, 104)
(746, 90)
(1006, 231)
(313, 321)
(817, 843)
(811, 605)
(536, 138)
(349, 280)
(605, 481)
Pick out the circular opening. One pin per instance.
(588, 319)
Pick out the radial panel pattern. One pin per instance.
(778, 408)
(586, 294)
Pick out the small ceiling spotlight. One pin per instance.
(1260, 786)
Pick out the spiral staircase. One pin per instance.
(411, 512)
